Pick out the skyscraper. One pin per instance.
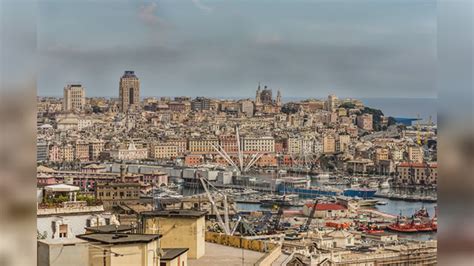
(129, 91)
(74, 98)
(331, 103)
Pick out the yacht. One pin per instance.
(385, 184)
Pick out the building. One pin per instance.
(193, 160)
(325, 210)
(365, 122)
(174, 257)
(95, 148)
(68, 218)
(410, 173)
(258, 144)
(58, 252)
(278, 99)
(129, 91)
(179, 229)
(74, 98)
(81, 150)
(162, 150)
(67, 153)
(381, 154)
(114, 193)
(335, 239)
(343, 143)
(332, 103)
(202, 145)
(247, 108)
(54, 154)
(329, 144)
(179, 106)
(293, 145)
(130, 153)
(42, 151)
(228, 143)
(201, 104)
(123, 249)
(415, 154)
(266, 96)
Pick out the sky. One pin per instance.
(223, 48)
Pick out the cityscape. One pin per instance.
(254, 180)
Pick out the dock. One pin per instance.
(392, 196)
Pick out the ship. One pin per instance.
(284, 201)
(311, 191)
(420, 222)
(364, 193)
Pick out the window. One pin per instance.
(63, 231)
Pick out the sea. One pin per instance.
(423, 108)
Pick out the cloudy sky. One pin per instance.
(361, 48)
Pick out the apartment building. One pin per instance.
(258, 144)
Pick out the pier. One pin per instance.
(418, 198)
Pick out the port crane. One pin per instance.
(305, 227)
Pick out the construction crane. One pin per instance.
(305, 227)
(276, 221)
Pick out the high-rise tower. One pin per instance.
(129, 91)
(74, 98)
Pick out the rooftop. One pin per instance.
(109, 228)
(175, 213)
(226, 255)
(118, 239)
(61, 188)
(172, 253)
(62, 241)
(326, 206)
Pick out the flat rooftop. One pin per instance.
(119, 238)
(224, 255)
(175, 213)
(109, 228)
(62, 241)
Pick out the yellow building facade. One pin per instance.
(178, 228)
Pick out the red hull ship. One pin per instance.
(419, 223)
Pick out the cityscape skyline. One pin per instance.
(228, 47)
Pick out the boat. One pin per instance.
(322, 176)
(382, 203)
(366, 202)
(281, 201)
(385, 184)
(401, 226)
(311, 191)
(373, 184)
(420, 222)
(364, 193)
(422, 213)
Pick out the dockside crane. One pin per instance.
(305, 227)
(276, 221)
